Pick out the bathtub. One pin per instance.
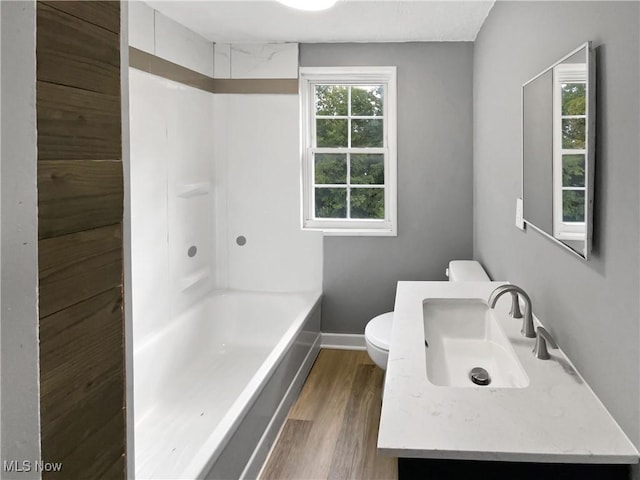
(212, 389)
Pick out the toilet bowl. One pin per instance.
(377, 333)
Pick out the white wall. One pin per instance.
(258, 178)
(171, 175)
(256, 60)
(153, 32)
(171, 199)
(19, 243)
(258, 167)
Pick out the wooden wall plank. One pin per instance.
(76, 195)
(80, 183)
(63, 431)
(103, 14)
(75, 124)
(78, 266)
(82, 384)
(75, 53)
(95, 458)
(117, 469)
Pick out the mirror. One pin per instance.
(558, 137)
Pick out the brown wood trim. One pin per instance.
(172, 71)
(149, 63)
(286, 86)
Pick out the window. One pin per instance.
(349, 150)
(569, 150)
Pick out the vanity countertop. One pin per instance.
(556, 418)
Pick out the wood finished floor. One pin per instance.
(332, 429)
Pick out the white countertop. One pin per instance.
(556, 418)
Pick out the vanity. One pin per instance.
(534, 418)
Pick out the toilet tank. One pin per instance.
(466, 271)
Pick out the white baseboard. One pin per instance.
(343, 341)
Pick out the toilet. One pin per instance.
(377, 333)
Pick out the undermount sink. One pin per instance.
(466, 347)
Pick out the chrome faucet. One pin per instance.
(528, 329)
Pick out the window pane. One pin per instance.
(331, 100)
(573, 132)
(330, 168)
(367, 168)
(574, 99)
(331, 133)
(331, 202)
(573, 170)
(367, 203)
(366, 100)
(573, 206)
(366, 133)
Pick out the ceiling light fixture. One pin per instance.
(310, 5)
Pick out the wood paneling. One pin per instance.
(76, 195)
(75, 53)
(75, 124)
(99, 457)
(78, 266)
(332, 429)
(82, 383)
(103, 14)
(80, 210)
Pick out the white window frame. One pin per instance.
(311, 76)
(566, 73)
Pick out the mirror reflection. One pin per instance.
(557, 151)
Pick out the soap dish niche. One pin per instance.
(191, 281)
(189, 190)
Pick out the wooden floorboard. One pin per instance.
(331, 430)
(291, 443)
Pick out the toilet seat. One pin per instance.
(378, 331)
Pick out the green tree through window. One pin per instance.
(349, 118)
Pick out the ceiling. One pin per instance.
(248, 21)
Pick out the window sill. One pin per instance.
(353, 232)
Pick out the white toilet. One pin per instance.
(377, 333)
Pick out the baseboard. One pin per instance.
(343, 341)
(263, 449)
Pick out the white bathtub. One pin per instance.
(199, 379)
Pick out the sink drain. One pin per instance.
(479, 376)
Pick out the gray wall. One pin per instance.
(434, 180)
(19, 253)
(591, 308)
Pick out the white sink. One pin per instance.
(462, 334)
(430, 409)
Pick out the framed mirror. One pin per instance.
(558, 140)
